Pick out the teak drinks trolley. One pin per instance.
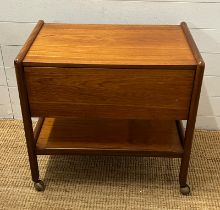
(109, 89)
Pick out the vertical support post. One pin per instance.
(29, 135)
(26, 114)
(193, 108)
(191, 124)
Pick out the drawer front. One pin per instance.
(109, 93)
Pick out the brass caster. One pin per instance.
(185, 190)
(39, 185)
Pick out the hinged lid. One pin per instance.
(126, 46)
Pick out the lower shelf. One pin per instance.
(141, 137)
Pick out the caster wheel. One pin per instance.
(185, 190)
(39, 186)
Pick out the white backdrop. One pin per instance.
(18, 17)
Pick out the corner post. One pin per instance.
(193, 106)
(26, 114)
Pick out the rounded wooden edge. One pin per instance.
(201, 64)
(18, 60)
(193, 46)
(116, 66)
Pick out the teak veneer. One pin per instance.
(66, 135)
(109, 89)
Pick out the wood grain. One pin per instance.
(141, 136)
(144, 79)
(117, 93)
(110, 45)
(193, 107)
(193, 45)
(29, 135)
(27, 45)
(191, 124)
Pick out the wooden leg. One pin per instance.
(29, 134)
(184, 188)
(183, 171)
(34, 167)
(186, 156)
(30, 141)
(38, 184)
(185, 162)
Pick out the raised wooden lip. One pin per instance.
(192, 45)
(24, 50)
(65, 65)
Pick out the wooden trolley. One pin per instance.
(109, 89)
